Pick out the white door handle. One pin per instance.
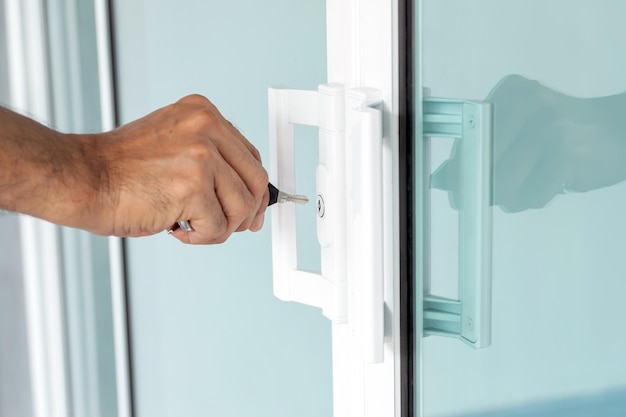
(325, 109)
(345, 200)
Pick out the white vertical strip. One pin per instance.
(118, 298)
(44, 317)
(362, 52)
(29, 92)
(48, 259)
(64, 46)
(16, 54)
(116, 255)
(105, 64)
(73, 70)
(337, 36)
(36, 59)
(34, 320)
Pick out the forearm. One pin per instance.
(45, 173)
(181, 162)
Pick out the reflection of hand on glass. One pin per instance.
(547, 143)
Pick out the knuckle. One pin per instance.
(195, 99)
(219, 230)
(259, 186)
(246, 205)
(204, 119)
(197, 120)
(202, 151)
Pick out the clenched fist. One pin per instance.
(181, 162)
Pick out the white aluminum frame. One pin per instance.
(42, 249)
(363, 53)
(30, 93)
(357, 115)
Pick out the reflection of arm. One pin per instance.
(546, 143)
(594, 139)
(609, 111)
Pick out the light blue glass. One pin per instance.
(208, 335)
(554, 74)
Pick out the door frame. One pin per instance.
(367, 43)
(61, 350)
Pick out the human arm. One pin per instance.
(181, 162)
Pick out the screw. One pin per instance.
(471, 122)
(320, 206)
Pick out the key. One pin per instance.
(276, 196)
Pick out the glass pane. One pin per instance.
(208, 336)
(554, 75)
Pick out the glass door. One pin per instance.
(547, 198)
(208, 337)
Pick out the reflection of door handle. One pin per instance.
(469, 317)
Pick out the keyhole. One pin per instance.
(321, 208)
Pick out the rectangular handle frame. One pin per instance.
(469, 317)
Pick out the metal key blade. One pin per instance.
(284, 197)
(277, 196)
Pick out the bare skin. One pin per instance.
(184, 161)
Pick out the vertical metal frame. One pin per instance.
(411, 215)
(104, 39)
(30, 92)
(362, 51)
(51, 255)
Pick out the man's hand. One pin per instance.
(181, 162)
